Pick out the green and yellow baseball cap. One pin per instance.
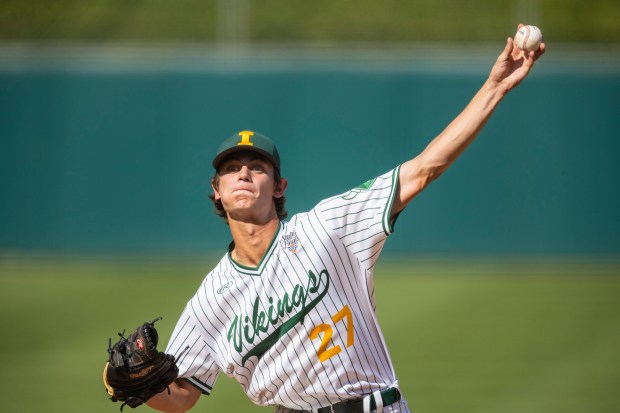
(247, 140)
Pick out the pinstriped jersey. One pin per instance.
(299, 331)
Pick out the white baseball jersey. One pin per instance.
(299, 331)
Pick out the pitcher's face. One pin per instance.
(246, 187)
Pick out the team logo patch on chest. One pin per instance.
(290, 242)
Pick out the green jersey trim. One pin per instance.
(388, 223)
(256, 271)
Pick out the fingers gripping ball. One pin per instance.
(528, 38)
(135, 370)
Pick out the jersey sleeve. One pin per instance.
(361, 216)
(194, 359)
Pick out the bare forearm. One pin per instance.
(441, 152)
(511, 67)
(461, 132)
(182, 397)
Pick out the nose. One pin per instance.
(244, 173)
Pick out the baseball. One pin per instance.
(528, 38)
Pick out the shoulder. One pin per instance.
(220, 270)
(367, 189)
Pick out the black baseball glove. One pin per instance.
(136, 371)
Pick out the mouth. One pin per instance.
(242, 190)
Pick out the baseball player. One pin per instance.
(289, 311)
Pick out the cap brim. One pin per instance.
(221, 156)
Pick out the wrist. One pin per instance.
(494, 90)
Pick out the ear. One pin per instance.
(279, 189)
(216, 193)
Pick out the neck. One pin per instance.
(252, 240)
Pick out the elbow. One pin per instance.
(433, 175)
(426, 176)
(415, 176)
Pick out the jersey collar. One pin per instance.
(255, 271)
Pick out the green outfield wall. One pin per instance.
(111, 151)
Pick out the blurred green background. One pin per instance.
(474, 336)
(509, 265)
(567, 21)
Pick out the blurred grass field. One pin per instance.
(594, 21)
(487, 336)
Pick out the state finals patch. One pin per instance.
(290, 242)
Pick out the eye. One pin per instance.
(257, 165)
(230, 168)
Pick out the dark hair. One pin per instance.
(280, 207)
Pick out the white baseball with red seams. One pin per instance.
(528, 38)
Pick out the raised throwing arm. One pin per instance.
(511, 67)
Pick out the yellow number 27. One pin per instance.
(323, 352)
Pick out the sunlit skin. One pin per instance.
(511, 67)
(246, 188)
